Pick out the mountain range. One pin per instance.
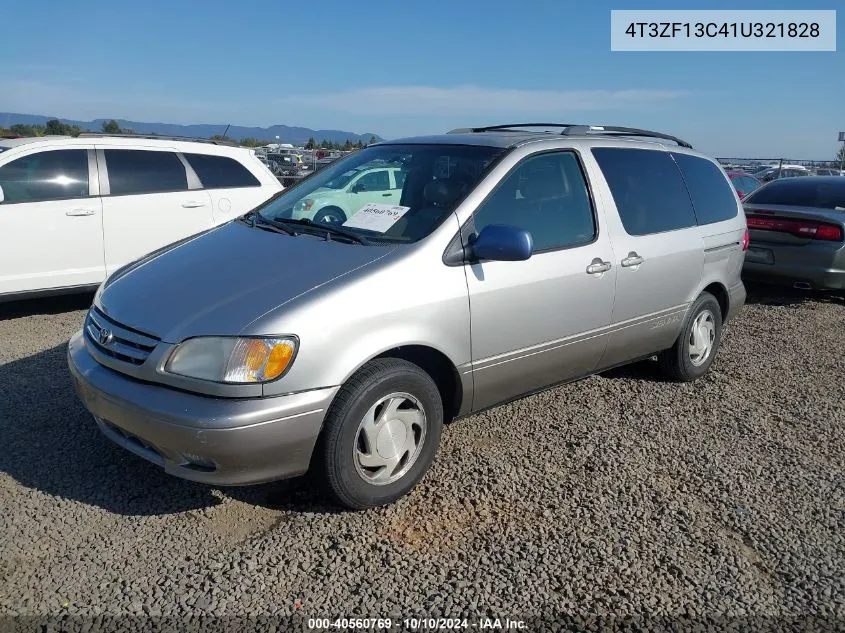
(286, 134)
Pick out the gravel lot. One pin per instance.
(619, 495)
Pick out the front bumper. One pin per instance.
(219, 441)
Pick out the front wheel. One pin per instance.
(330, 215)
(693, 353)
(381, 434)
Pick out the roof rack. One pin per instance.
(571, 129)
(160, 137)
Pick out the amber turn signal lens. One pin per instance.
(278, 360)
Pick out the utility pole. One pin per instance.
(842, 155)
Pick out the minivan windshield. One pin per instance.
(400, 192)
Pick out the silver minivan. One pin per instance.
(517, 258)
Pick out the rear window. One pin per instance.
(712, 196)
(139, 171)
(648, 189)
(828, 193)
(220, 172)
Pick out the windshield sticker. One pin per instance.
(376, 217)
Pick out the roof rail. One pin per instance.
(613, 130)
(571, 129)
(506, 128)
(160, 137)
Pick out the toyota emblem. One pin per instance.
(105, 336)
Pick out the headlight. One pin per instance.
(304, 205)
(232, 360)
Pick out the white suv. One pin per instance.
(343, 196)
(72, 210)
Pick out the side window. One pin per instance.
(374, 181)
(711, 194)
(219, 172)
(144, 171)
(49, 175)
(399, 176)
(749, 183)
(648, 190)
(547, 196)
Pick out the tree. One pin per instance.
(311, 144)
(111, 127)
(57, 128)
(21, 129)
(220, 137)
(250, 141)
(372, 140)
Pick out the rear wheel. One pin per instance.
(381, 434)
(693, 353)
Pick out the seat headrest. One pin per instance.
(443, 193)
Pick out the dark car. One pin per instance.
(743, 183)
(797, 231)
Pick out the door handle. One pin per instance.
(632, 260)
(79, 212)
(193, 204)
(597, 266)
(384, 195)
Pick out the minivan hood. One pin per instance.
(222, 280)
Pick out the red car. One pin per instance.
(743, 183)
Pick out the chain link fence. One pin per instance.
(782, 167)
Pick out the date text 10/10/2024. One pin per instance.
(417, 624)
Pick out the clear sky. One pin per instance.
(402, 67)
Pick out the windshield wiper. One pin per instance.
(258, 221)
(330, 229)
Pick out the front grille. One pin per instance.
(118, 341)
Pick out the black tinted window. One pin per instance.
(399, 175)
(712, 196)
(828, 193)
(219, 172)
(648, 190)
(50, 175)
(139, 171)
(547, 196)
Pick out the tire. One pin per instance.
(346, 453)
(683, 362)
(330, 215)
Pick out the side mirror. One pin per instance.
(2, 195)
(358, 187)
(498, 242)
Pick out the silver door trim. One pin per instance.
(93, 176)
(525, 352)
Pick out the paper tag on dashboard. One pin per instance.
(376, 217)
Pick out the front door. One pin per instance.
(50, 221)
(540, 321)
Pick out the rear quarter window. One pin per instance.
(221, 172)
(647, 188)
(711, 194)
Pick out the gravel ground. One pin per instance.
(619, 495)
